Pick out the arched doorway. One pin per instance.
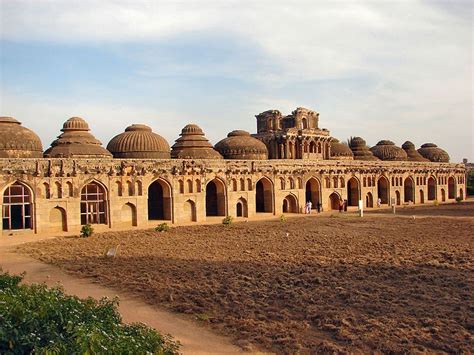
(422, 196)
(159, 200)
(215, 198)
(129, 215)
(383, 190)
(264, 196)
(313, 192)
(290, 204)
(431, 189)
(461, 194)
(189, 211)
(369, 200)
(443, 195)
(397, 196)
(241, 207)
(57, 220)
(353, 192)
(409, 190)
(334, 199)
(17, 208)
(93, 204)
(451, 188)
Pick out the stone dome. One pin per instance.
(17, 141)
(139, 142)
(340, 151)
(193, 145)
(241, 145)
(433, 153)
(360, 150)
(412, 153)
(76, 141)
(387, 150)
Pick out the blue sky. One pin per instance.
(399, 70)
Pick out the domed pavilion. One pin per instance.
(431, 152)
(360, 149)
(241, 145)
(192, 144)
(340, 151)
(17, 141)
(387, 150)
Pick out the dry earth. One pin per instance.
(380, 283)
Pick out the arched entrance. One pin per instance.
(451, 188)
(353, 192)
(443, 195)
(422, 196)
(334, 199)
(189, 211)
(241, 207)
(17, 208)
(409, 190)
(383, 191)
(313, 192)
(290, 204)
(159, 200)
(461, 194)
(57, 220)
(431, 189)
(264, 196)
(93, 204)
(215, 198)
(369, 200)
(129, 215)
(397, 196)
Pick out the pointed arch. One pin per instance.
(189, 209)
(160, 200)
(369, 200)
(353, 191)
(57, 220)
(313, 191)
(264, 195)
(94, 206)
(290, 204)
(58, 189)
(128, 214)
(409, 190)
(334, 199)
(431, 188)
(241, 208)
(70, 189)
(215, 198)
(383, 190)
(17, 206)
(451, 188)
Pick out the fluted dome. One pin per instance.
(17, 141)
(340, 151)
(241, 145)
(433, 153)
(360, 149)
(139, 142)
(387, 150)
(412, 153)
(193, 145)
(76, 141)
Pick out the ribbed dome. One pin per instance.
(193, 145)
(433, 153)
(412, 153)
(387, 150)
(139, 142)
(17, 141)
(360, 149)
(340, 151)
(241, 145)
(76, 141)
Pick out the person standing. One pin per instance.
(379, 202)
(318, 206)
(310, 206)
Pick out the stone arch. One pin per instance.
(290, 204)
(70, 189)
(398, 200)
(241, 207)
(128, 214)
(335, 182)
(189, 186)
(119, 188)
(312, 147)
(46, 190)
(365, 181)
(189, 211)
(334, 199)
(320, 148)
(198, 186)
(57, 220)
(292, 183)
(353, 191)
(17, 207)
(304, 123)
(160, 200)
(443, 195)
(431, 188)
(181, 186)
(383, 190)
(264, 195)
(461, 194)
(215, 198)
(342, 182)
(313, 192)
(422, 196)
(282, 183)
(451, 188)
(58, 189)
(234, 184)
(369, 200)
(242, 184)
(130, 188)
(249, 184)
(139, 188)
(94, 205)
(300, 183)
(409, 190)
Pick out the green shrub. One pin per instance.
(86, 230)
(162, 227)
(282, 218)
(227, 221)
(458, 199)
(41, 320)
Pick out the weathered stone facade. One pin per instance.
(54, 195)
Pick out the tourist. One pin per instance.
(379, 202)
(318, 206)
(310, 206)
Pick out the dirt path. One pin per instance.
(194, 339)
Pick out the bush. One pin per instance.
(162, 227)
(227, 221)
(282, 218)
(458, 199)
(37, 319)
(86, 230)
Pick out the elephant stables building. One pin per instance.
(139, 181)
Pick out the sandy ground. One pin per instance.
(379, 283)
